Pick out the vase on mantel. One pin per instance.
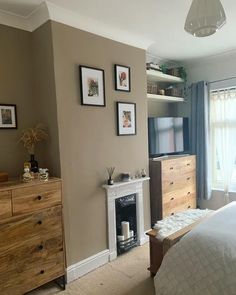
(34, 164)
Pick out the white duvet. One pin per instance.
(203, 262)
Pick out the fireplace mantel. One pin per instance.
(118, 190)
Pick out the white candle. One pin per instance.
(131, 233)
(120, 238)
(125, 229)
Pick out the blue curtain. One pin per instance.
(200, 143)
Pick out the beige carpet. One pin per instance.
(127, 275)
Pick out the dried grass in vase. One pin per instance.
(31, 136)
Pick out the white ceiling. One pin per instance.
(160, 21)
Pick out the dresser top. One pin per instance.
(16, 183)
(174, 157)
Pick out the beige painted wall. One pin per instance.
(87, 135)
(15, 88)
(27, 80)
(40, 74)
(159, 109)
(45, 96)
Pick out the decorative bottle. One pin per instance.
(34, 164)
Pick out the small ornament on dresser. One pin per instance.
(30, 138)
(43, 174)
(27, 176)
(110, 171)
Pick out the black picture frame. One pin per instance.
(126, 118)
(119, 70)
(8, 116)
(93, 95)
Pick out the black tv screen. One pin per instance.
(168, 135)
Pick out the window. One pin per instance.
(223, 138)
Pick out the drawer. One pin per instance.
(28, 267)
(176, 202)
(19, 230)
(33, 198)
(5, 204)
(181, 193)
(178, 166)
(174, 183)
(173, 208)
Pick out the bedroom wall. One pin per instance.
(87, 134)
(210, 69)
(15, 88)
(27, 80)
(43, 68)
(44, 95)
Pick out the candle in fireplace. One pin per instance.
(125, 229)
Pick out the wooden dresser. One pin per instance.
(31, 235)
(172, 185)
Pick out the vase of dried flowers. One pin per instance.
(30, 138)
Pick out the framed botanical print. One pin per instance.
(92, 85)
(122, 78)
(8, 119)
(126, 118)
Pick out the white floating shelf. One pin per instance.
(156, 97)
(157, 76)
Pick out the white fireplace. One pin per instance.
(119, 190)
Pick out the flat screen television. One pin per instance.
(168, 136)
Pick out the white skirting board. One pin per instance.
(83, 267)
(145, 239)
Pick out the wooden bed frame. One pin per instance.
(159, 248)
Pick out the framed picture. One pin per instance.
(126, 118)
(92, 85)
(8, 116)
(122, 78)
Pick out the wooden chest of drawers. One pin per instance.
(172, 185)
(31, 235)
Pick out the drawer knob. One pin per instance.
(189, 193)
(42, 271)
(171, 183)
(188, 178)
(188, 164)
(39, 198)
(40, 222)
(171, 168)
(172, 199)
(40, 247)
(172, 213)
(189, 207)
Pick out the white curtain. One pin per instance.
(223, 139)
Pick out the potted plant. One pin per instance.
(30, 138)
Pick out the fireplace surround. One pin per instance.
(119, 190)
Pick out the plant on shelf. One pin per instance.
(164, 68)
(30, 138)
(183, 73)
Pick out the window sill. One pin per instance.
(222, 191)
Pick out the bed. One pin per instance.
(203, 262)
(169, 231)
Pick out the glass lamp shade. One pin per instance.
(205, 17)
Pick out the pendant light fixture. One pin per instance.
(205, 17)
